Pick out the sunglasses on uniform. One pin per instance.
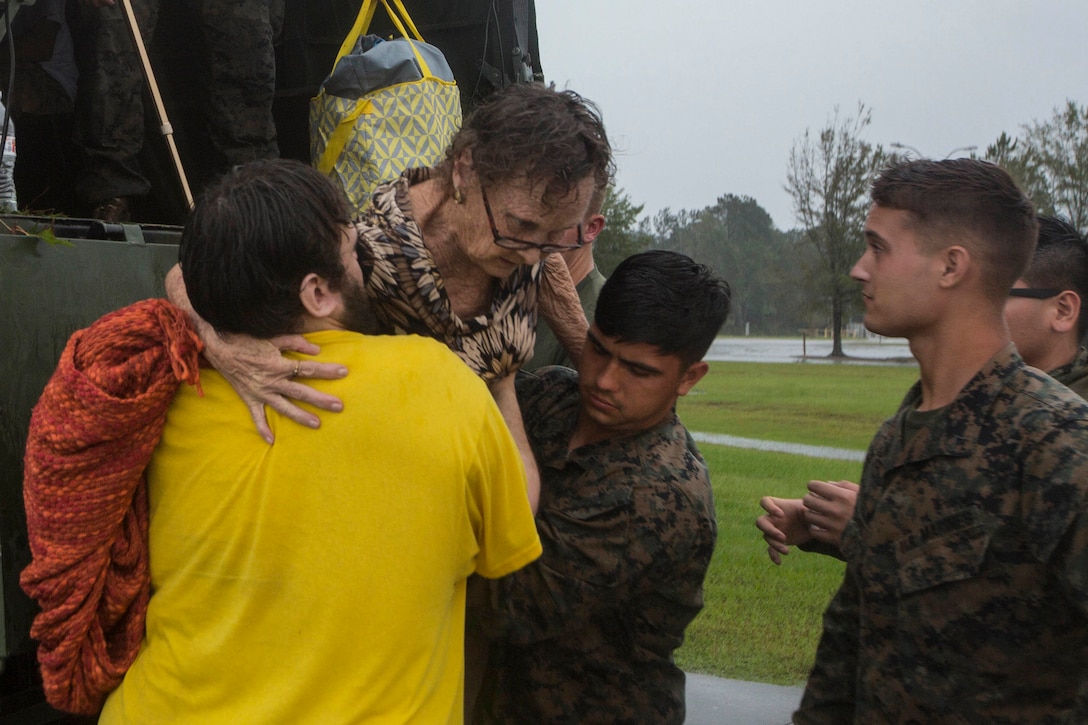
(1035, 293)
(511, 243)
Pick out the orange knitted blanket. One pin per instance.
(91, 435)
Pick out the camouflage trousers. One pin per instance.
(237, 36)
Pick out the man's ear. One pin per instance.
(317, 297)
(955, 263)
(691, 376)
(1066, 311)
(592, 228)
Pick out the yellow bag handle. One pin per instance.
(400, 19)
(407, 19)
(424, 69)
(361, 25)
(339, 138)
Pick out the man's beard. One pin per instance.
(358, 314)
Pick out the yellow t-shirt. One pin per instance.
(322, 579)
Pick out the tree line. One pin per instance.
(787, 281)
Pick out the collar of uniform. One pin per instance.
(1073, 370)
(951, 434)
(630, 448)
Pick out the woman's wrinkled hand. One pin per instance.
(262, 375)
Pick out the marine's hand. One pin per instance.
(262, 376)
(828, 506)
(783, 525)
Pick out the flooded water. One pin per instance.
(879, 351)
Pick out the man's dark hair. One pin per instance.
(252, 238)
(550, 137)
(1061, 262)
(969, 202)
(664, 299)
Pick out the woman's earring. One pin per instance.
(458, 196)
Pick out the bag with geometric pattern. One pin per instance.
(387, 106)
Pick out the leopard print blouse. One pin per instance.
(409, 297)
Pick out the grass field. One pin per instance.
(762, 622)
(827, 405)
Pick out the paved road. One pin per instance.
(800, 449)
(716, 701)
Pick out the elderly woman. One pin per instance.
(456, 252)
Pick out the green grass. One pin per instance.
(817, 404)
(761, 622)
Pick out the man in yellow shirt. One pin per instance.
(321, 579)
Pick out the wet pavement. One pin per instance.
(717, 701)
(863, 351)
(800, 449)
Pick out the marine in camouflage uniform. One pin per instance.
(965, 598)
(1074, 376)
(586, 634)
(237, 36)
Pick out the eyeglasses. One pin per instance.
(511, 243)
(1035, 293)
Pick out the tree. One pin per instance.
(1050, 162)
(828, 177)
(1009, 153)
(623, 233)
(736, 238)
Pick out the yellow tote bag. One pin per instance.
(387, 106)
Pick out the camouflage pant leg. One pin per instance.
(110, 105)
(239, 36)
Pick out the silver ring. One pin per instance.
(298, 364)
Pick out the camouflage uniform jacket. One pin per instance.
(965, 598)
(1074, 375)
(586, 633)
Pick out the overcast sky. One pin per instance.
(705, 97)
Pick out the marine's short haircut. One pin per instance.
(251, 239)
(664, 299)
(1061, 262)
(968, 202)
(528, 130)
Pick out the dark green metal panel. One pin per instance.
(47, 292)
